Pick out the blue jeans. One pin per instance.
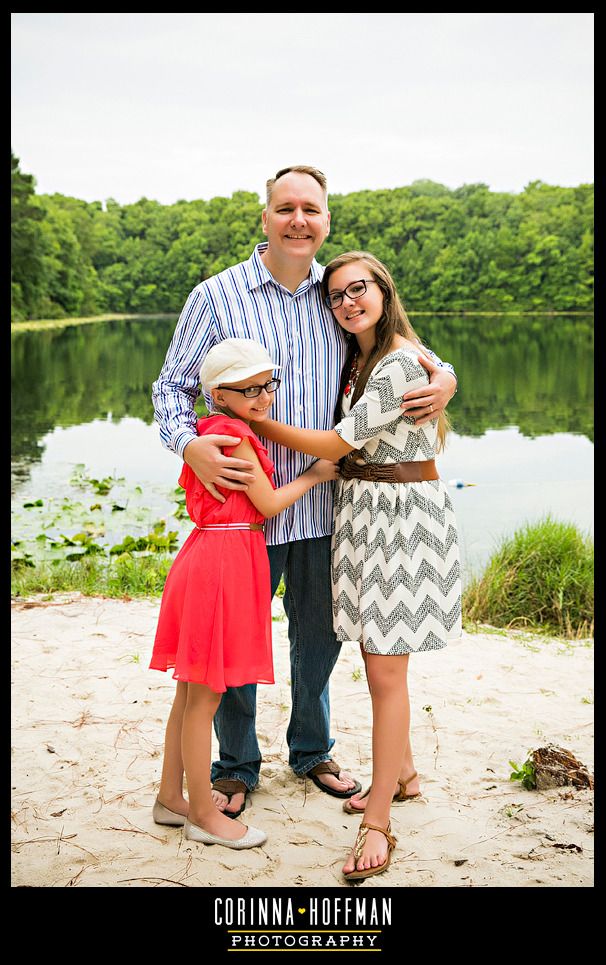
(314, 650)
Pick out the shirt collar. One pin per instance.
(257, 274)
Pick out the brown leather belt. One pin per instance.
(219, 527)
(390, 472)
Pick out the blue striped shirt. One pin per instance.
(300, 334)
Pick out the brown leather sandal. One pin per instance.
(359, 847)
(399, 796)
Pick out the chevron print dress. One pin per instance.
(395, 555)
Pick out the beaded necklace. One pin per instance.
(353, 375)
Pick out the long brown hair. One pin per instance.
(393, 321)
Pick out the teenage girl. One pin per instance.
(395, 559)
(214, 626)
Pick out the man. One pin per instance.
(275, 298)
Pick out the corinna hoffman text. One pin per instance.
(309, 913)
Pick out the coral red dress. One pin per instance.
(214, 625)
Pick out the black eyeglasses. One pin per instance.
(253, 391)
(354, 290)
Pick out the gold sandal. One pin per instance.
(359, 847)
(399, 796)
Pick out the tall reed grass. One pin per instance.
(541, 578)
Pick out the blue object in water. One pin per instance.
(459, 484)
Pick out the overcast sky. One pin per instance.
(194, 105)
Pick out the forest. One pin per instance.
(467, 249)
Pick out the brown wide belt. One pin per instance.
(399, 472)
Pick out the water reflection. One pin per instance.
(532, 372)
(74, 375)
(522, 419)
(535, 373)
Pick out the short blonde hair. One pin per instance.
(300, 169)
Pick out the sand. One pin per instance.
(88, 727)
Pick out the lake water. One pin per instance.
(522, 418)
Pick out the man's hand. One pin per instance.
(212, 468)
(426, 403)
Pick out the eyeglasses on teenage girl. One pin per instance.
(354, 290)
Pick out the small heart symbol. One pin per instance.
(301, 910)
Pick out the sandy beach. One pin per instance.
(88, 724)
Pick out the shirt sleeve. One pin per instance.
(443, 365)
(379, 406)
(177, 387)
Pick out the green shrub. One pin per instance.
(540, 578)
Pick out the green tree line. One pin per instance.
(450, 250)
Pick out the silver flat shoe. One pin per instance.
(252, 839)
(162, 815)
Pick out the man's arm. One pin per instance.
(425, 403)
(177, 387)
(174, 394)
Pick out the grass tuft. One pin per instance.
(541, 579)
(123, 576)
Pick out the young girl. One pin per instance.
(214, 627)
(395, 559)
